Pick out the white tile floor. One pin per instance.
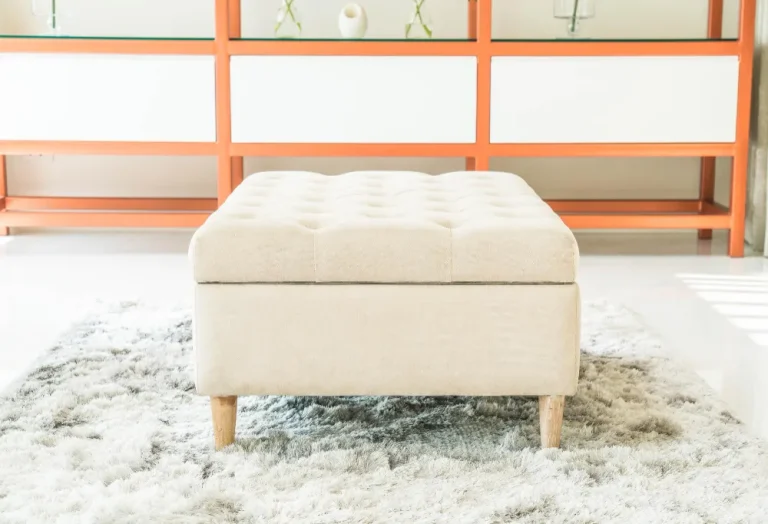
(711, 311)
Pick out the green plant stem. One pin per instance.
(417, 16)
(574, 16)
(289, 12)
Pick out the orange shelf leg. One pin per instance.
(3, 193)
(706, 189)
(484, 14)
(223, 102)
(469, 163)
(235, 31)
(707, 175)
(743, 115)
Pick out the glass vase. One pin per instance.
(420, 23)
(288, 24)
(573, 11)
(49, 10)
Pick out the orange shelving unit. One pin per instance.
(502, 125)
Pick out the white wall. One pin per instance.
(553, 178)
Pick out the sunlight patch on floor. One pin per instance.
(743, 300)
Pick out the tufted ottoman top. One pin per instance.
(384, 226)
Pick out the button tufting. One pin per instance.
(435, 198)
(310, 224)
(309, 209)
(378, 214)
(442, 222)
(408, 217)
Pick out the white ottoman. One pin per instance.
(385, 283)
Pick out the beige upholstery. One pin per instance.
(260, 339)
(385, 283)
(396, 227)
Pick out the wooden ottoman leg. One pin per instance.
(551, 420)
(224, 411)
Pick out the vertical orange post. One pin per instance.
(743, 114)
(235, 31)
(3, 192)
(485, 12)
(707, 175)
(472, 35)
(223, 102)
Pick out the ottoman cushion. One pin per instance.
(384, 226)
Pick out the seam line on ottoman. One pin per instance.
(450, 261)
(314, 253)
(196, 337)
(386, 283)
(577, 332)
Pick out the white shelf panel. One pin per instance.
(107, 98)
(614, 99)
(353, 99)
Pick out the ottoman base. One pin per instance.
(382, 339)
(386, 339)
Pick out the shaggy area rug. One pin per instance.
(108, 429)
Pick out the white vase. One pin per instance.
(353, 22)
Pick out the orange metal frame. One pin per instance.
(702, 214)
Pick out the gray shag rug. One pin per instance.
(108, 429)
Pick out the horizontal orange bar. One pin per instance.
(597, 150)
(342, 150)
(210, 204)
(353, 48)
(647, 221)
(116, 204)
(106, 45)
(415, 150)
(624, 206)
(111, 45)
(614, 48)
(189, 220)
(470, 150)
(32, 147)
(88, 219)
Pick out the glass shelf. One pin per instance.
(626, 20)
(132, 38)
(425, 41)
(386, 19)
(510, 40)
(513, 20)
(614, 40)
(109, 19)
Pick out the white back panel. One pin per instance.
(353, 99)
(614, 99)
(107, 98)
